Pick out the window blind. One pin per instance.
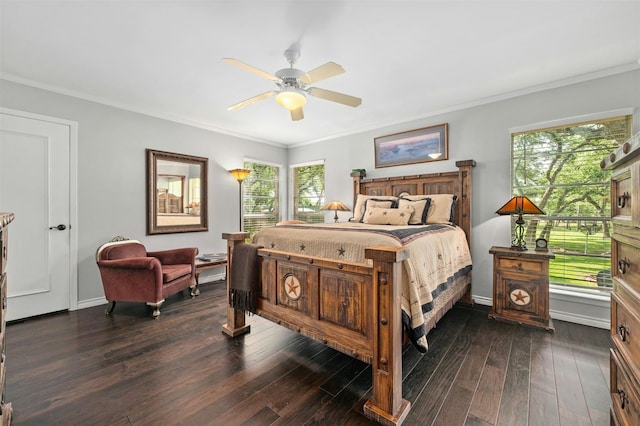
(260, 197)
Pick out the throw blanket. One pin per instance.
(245, 273)
(438, 255)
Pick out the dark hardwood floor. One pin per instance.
(86, 368)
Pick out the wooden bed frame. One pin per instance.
(352, 307)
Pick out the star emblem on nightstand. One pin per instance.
(520, 297)
(292, 287)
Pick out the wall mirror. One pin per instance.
(176, 193)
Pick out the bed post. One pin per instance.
(386, 405)
(464, 176)
(235, 325)
(357, 177)
(464, 215)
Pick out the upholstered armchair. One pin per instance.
(131, 274)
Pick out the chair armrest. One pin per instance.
(131, 263)
(176, 256)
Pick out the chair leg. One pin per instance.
(110, 307)
(194, 290)
(156, 308)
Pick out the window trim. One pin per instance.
(604, 115)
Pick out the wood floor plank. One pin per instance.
(456, 405)
(542, 376)
(441, 338)
(543, 408)
(571, 399)
(515, 395)
(428, 404)
(486, 400)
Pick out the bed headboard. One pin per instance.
(456, 182)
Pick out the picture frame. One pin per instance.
(422, 145)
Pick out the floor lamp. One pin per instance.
(240, 175)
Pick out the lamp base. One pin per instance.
(518, 236)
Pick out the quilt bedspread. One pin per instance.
(438, 255)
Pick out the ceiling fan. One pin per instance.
(293, 85)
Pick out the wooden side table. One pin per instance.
(203, 265)
(521, 286)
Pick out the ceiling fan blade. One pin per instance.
(329, 95)
(297, 114)
(252, 100)
(322, 72)
(250, 68)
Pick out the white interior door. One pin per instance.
(34, 184)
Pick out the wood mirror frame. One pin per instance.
(176, 193)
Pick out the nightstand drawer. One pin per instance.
(626, 404)
(521, 265)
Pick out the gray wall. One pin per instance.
(111, 169)
(111, 174)
(482, 133)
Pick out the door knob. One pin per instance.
(60, 227)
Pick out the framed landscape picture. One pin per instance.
(415, 146)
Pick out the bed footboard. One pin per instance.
(351, 307)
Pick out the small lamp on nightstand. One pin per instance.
(519, 205)
(335, 205)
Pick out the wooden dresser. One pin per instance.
(5, 407)
(625, 270)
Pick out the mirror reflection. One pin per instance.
(176, 193)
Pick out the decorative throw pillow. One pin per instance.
(441, 208)
(420, 207)
(358, 210)
(388, 216)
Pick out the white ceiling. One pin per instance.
(405, 59)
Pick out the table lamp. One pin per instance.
(519, 205)
(335, 205)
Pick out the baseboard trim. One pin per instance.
(560, 315)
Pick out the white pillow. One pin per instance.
(420, 206)
(358, 210)
(441, 208)
(382, 216)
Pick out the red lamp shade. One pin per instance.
(519, 205)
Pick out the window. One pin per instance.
(307, 189)
(260, 196)
(558, 168)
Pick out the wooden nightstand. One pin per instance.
(521, 286)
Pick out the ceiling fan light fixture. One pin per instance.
(291, 98)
